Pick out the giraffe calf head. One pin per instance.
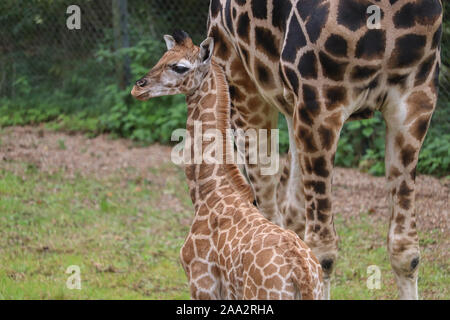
(180, 70)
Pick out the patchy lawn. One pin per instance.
(121, 213)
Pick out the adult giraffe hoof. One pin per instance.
(327, 265)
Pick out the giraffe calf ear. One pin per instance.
(206, 50)
(170, 41)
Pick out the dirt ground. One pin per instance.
(353, 191)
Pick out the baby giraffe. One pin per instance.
(232, 251)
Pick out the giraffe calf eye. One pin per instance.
(179, 69)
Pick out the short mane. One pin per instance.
(223, 123)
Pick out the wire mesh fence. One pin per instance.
(445, 73)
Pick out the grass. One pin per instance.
(363, 243)
(125, 248)
(126, 239)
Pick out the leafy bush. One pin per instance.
(362, 145)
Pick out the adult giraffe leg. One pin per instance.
(317, 133)
(406, 127)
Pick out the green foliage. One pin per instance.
(435, 155)
(284, 134)
(149, 121)
(362, 144)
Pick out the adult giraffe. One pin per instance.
(318, 63)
